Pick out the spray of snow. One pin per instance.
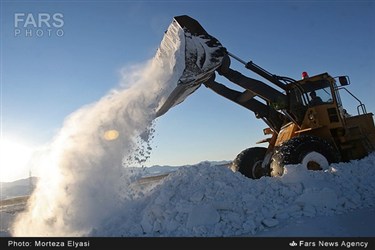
(81, 179)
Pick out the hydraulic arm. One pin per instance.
(262, 111)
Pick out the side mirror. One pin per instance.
(344, 80)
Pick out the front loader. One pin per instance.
(300, 130)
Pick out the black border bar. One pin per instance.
(178, 242)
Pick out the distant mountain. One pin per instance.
(157, 169)
(20, 187)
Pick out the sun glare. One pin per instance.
(14, 159)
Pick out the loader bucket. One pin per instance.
(196, 54)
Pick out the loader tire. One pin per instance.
(249, 162)
(313, 153)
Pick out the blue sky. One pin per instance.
(44, 79)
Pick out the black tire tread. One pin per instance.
(293, 151)
(245, 160)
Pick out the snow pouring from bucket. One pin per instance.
(82, 175)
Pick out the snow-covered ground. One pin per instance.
(208, 199)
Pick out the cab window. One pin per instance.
(323, 94)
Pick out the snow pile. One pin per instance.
(205, 200)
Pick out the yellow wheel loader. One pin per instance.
(306, 121)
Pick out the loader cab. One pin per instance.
(326, 103)
(320, 85)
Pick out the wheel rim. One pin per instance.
(315, 161)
